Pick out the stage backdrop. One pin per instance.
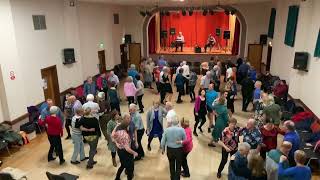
(195, 28)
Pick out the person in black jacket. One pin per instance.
(89, 126)
(247, 92)
(180, 81)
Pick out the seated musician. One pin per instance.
(179, 41)
(210, 43)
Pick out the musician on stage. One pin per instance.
(179, 41)
(210, 43)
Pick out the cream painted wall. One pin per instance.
(96, 26)
(302, 85)
(257, 19)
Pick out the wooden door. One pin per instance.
(124, 56)
(135, 54)
(255, 55)
(269, 58)
(102, 61)
(51, 84)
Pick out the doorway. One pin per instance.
(255, 56)
(50, 84)
(102, 61)
(269, 58)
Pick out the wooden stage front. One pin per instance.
(188, 54)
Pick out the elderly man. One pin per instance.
(293, 137)
(252, 135)
(89, 87)
(211, 96)
(92, 105)
(186, 74)
(205, 80)
(137, 120)
(273, 159)
(171, 136)
(46, 111)
(238, 167)
(272, 111)
(171, 113)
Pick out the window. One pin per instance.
(39, 22)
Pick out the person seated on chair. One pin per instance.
(211, 41)
(179, 41)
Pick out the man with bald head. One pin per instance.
(45, 112)
(293, 137)
(252, 135)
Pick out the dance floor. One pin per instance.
(190, 50)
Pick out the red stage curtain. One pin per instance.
(152, 35)
(235, 46)
(195, 28)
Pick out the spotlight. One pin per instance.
(211, 12)
(167, 13)
(148, 13)
(142, 13)
(190, 12)
(205, 12)
(184, 12)
(233, 12)
(227, 12)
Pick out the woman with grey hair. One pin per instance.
(54, 132)
(133, 72)
(272, 111)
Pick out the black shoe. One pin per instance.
(74, 162)
(185, 175)
(141, 111)
(218, 175)
(211, 145)
(195, 133)
(89, 166)
(62, 161)
(200, 129)
(84, 159)
(94, 162)
(51, 159)
(137, 158)
(149, 148)
(68, 137)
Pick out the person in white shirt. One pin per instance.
(186, 74)
(171, 113)
(179, 41)
(92, 105)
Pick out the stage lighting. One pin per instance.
(233, 12)
(148, 13)
(227, 12)
(142, 13)
(205, 12)
(211, 12)
(190, 12)
(184, 12)
(167, 13)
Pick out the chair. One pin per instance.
(62, 176)
(34, 114)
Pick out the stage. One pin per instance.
(190, 51)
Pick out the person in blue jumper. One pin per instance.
(89, 87)
(180, 80)
(211, 95)
(298, 172)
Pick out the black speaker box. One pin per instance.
(172, 31)
(226, 35)
(127, 38)
(301, 61)
(69, 56)
(263, 39)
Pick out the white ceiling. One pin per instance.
(175, 2)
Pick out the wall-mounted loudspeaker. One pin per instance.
(263, 39)
(127, 38)
(226, 35)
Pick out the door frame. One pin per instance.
(53, 71)
(259, 68)
(100, 64)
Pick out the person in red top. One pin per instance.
(187, 147)
(269, 133)
(280, 92)
(54, 132)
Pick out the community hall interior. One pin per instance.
(224, 89)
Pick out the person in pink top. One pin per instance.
(187, 147)
(129, 90)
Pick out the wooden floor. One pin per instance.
(203, 160)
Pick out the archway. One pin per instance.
(240, 17)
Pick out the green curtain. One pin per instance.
(317, 50)
(291, 25)
(272, 21)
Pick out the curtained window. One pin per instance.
(291, 25)
(317, 50)
(272, 21)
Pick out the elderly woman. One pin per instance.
(200, 111)
(132, 72)
(89, 87)
(130, 90)
(257, 167)
(122, 139)
(238, 167)
(89, 126)
(110, 127)
(205, 80)
(221, 112)
(148, 69)
(261, 104)
(166, 88)
(171, 135)
(229, 142)
(155, 122)
(54, 132)
(137, 120)
(273, 111)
